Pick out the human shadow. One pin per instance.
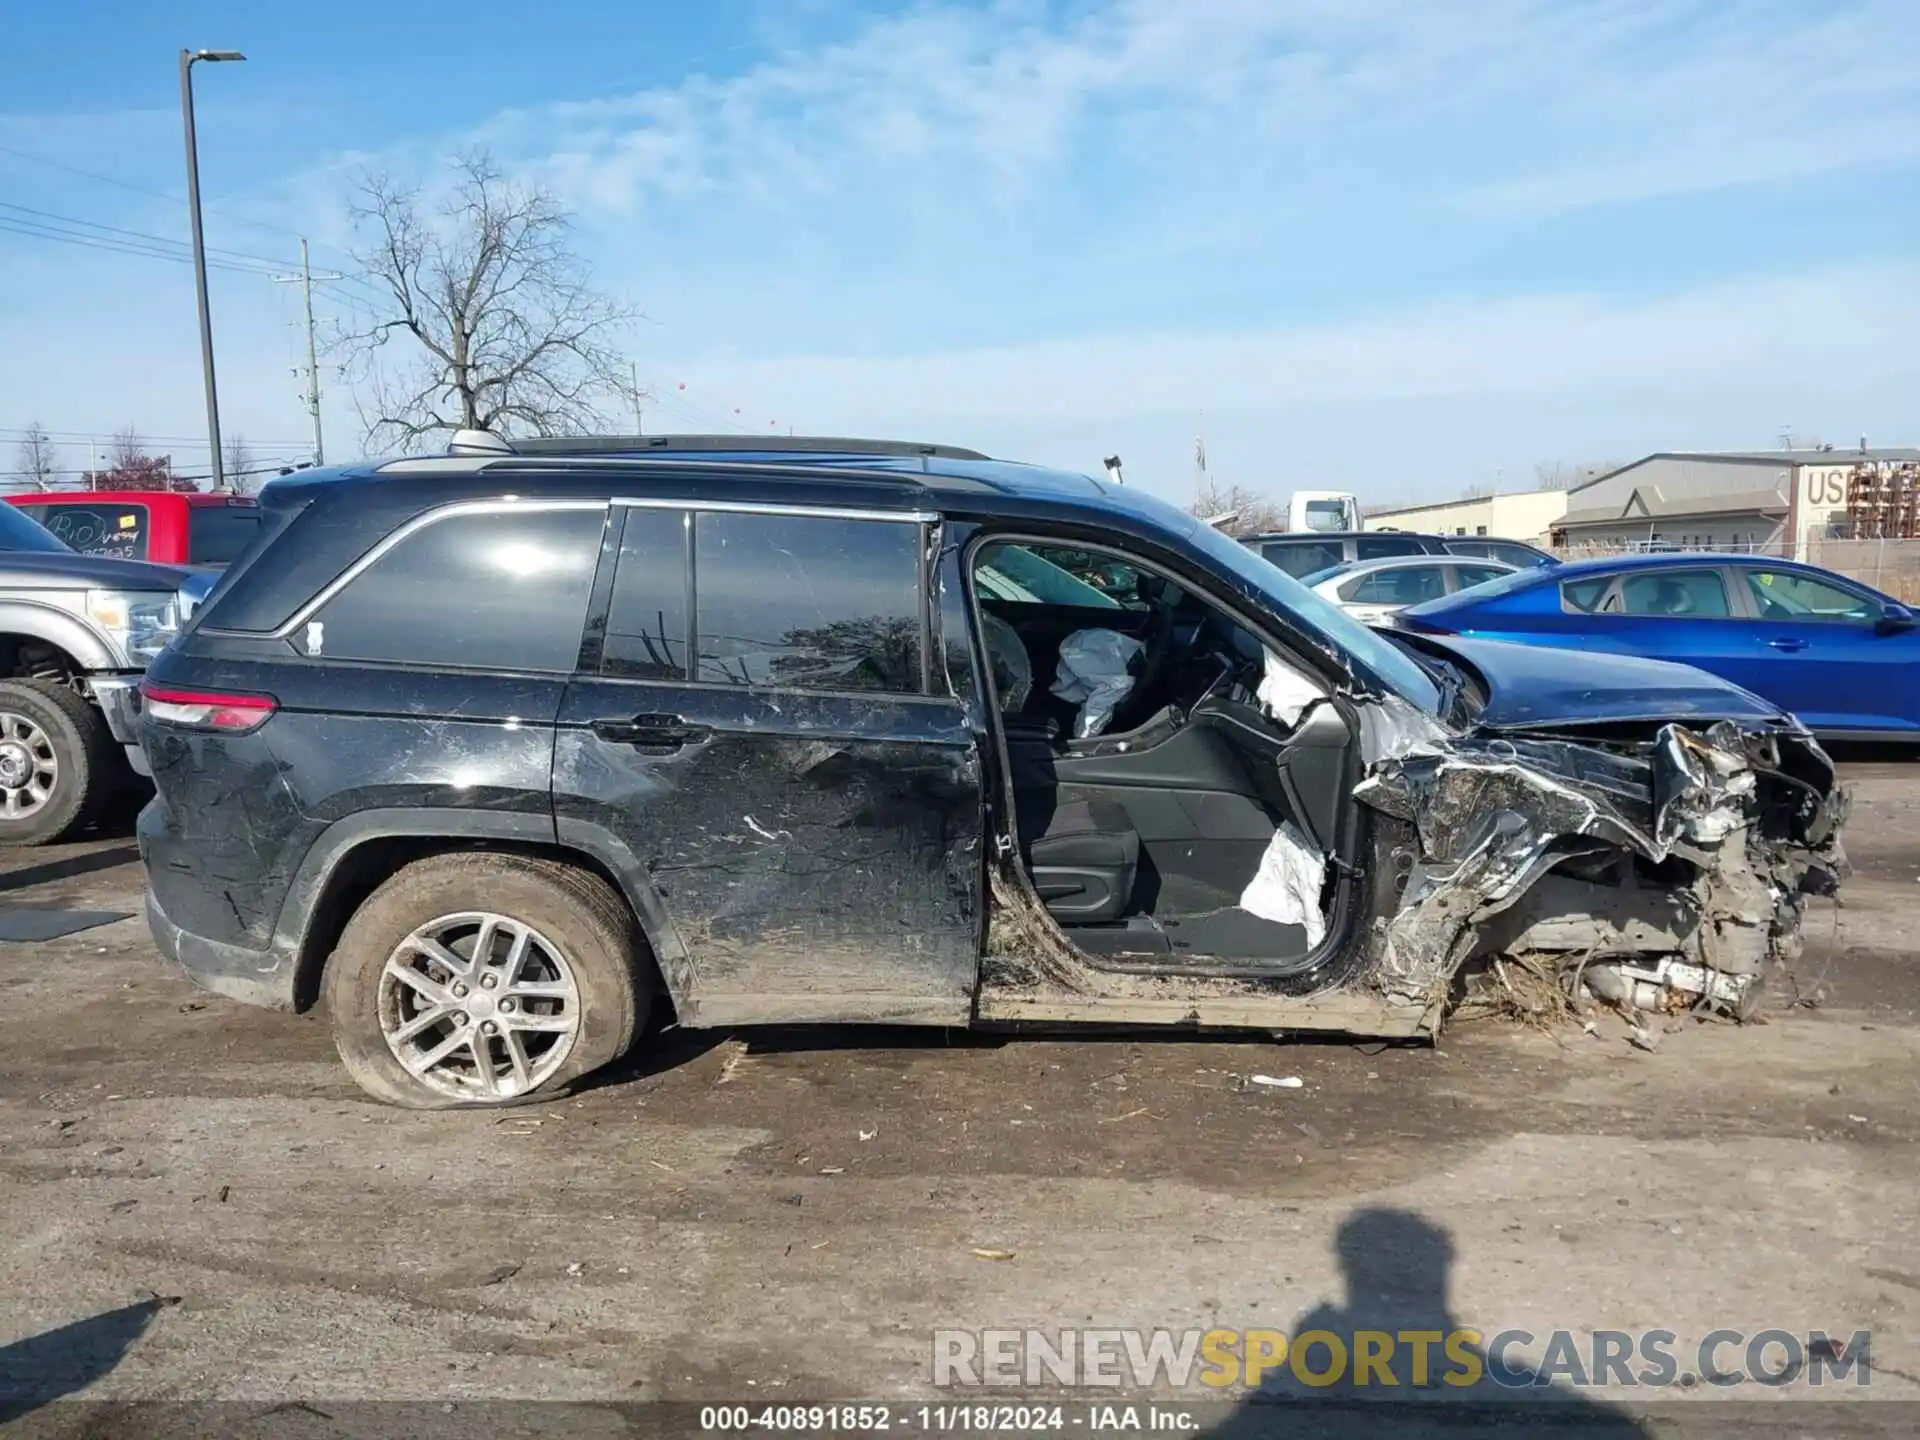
(1397, 1267)
(56, 1363)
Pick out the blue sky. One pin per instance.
(1384, 244)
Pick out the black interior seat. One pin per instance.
(1083, 860)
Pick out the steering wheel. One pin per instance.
(1156, 651)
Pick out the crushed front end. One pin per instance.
(1650, 866)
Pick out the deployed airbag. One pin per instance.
(1286, 888)
(1093, 674)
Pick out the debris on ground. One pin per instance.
(1278, 1082)
(981, 1254)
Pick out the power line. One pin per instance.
(46, 215)
(172, 198)
(121, 247)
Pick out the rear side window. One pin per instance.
(807, 602)
(1379, 547)
(218, 534)
(1467, 576)
(1304, 557)
(1674, 593)
(1408, 585)
(1584, 595)
(493, 592)
(116, 530)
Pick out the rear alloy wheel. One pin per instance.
(56, 761)
(481, 979)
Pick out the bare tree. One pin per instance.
(1252, 512)
(492, 322)
(1480, 490)
(1560, 475)
(129, 450)
(35, 456)
(238, 463)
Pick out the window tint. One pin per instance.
(1584, 594)
(494, 592)
(1379, 547)
(1789, 595)
(1407, 585)
(647, 620)
(807, 603)
(1470, 575)
(1303, 557)
(116, 530)
(1678, 593)
(216, 534)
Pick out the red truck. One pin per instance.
(168, 527)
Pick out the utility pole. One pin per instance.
(633, 371)
(188, 58)
(311, 397)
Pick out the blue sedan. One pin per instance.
(1841, 656)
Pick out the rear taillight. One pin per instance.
(208, 709)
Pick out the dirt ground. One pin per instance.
(792, 1215)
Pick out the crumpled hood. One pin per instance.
(1533, 686)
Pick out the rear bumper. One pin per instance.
(257, 977)
(118, 697)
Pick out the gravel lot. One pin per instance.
(791, 1215)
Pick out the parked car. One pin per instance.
(75, 632)
(1516, 553)
(505, 752)
(171, 527)
(1838, 654)
(1376, 590)
(1304, 552)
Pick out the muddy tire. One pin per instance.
(499, 978)
(57, 761)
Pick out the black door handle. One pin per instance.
(651, 732)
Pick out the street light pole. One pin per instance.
(187, 57)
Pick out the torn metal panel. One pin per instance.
(1691, 845)
(821, 849)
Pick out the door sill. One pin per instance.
(1343, 1011)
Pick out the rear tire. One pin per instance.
(56, 761)
(406, 979)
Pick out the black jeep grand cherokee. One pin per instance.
(501, 753)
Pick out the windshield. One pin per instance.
(1326, 515)
(1386, 662)
(19, 532)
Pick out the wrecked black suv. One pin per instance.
(504, 752)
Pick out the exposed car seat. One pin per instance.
(1083, 860)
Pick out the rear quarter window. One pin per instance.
(469, 591)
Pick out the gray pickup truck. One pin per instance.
(76, 631)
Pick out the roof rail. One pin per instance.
(481, 442)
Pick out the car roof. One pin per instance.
(1417, 562)
(1662, 560)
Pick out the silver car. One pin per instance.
(1375, 591)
